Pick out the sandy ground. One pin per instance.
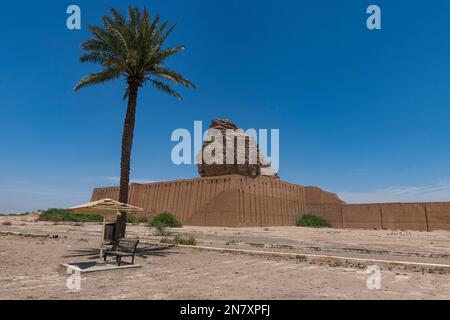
(30, 267)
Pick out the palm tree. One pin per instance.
(133, 49)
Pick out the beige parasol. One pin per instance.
(104, 208)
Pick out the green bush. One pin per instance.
(185, 241)
(57, 215)
(312, 221)
(165, 220)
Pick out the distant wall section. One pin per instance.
(239, 201)
(422, 216)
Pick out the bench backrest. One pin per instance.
(127, 245)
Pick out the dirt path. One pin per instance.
(31, 272)
(29, 269)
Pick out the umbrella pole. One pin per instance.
(103, 237)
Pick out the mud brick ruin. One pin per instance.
(237, 195)
(230, 136)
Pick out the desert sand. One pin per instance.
(30, 266)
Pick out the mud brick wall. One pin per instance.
(403, 216)
(438, 215)
(365, 216)
(232, 200)
(324, 204)
(265, 201)
(240, 201)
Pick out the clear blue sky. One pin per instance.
(361, 113)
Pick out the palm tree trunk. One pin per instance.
(127, 144)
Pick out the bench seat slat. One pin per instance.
(125, 248)
(119, 253)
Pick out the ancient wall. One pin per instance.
(421, 216)
(403, 216)
(249, 193)
(324, 204)
(365, 216)
(438, 215)
(232, 200)
(238, 201)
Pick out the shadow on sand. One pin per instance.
(143, 251)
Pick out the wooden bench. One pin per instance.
(125, 248)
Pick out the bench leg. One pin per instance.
(105, 257)
(132, 259)
(120, 260)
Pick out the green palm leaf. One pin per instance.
(134, 48)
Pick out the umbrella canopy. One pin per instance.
(104, 207)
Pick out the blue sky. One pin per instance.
(361, 113)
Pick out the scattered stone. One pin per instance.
(28, 235)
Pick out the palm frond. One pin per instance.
(162, 55)
(132, 46)
(165, 88)
(126, 94)
(173, 76)
(93, 57)
(97, 78)
(159, 31)
(117, 16)
(154, 25)
(165, 35)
